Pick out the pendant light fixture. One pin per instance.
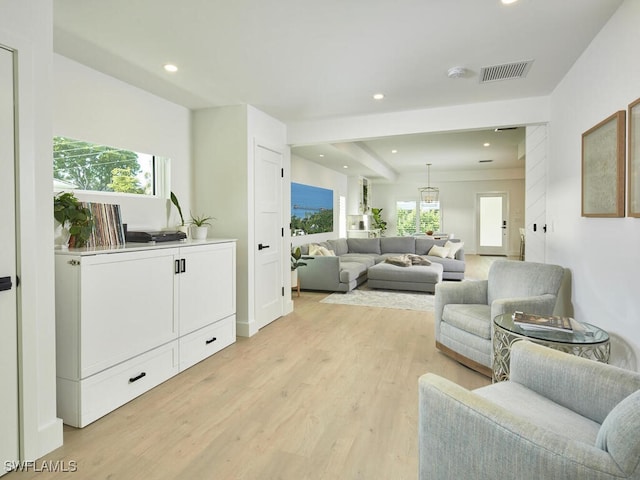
(429, 194)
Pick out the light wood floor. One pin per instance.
(327, 392)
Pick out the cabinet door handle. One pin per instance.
(207, 342)
(183, 265)
(5, 284)
(137, 377)
(177, 267)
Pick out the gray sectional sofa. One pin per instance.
(347, 268)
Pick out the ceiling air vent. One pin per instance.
(506, 71)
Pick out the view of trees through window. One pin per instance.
(410, 221)
(88, 166)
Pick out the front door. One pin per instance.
(492, 231)
(8, 301)
(269, 235)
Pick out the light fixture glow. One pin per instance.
(394, 151)
(169, 67)
(508, 2)
(345, 166)
(486, 144)
(321, 155)
(378, 96)
(429, 194)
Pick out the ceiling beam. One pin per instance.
(359, 153)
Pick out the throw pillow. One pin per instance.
(453, 248)
(437, 251)
(400, 260)
(320, 251)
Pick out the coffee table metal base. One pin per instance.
(503, 340)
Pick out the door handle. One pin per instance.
(262, 247)
(5, 284)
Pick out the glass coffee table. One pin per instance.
(586, 341)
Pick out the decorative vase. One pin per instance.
(294, 278)
(199, 233)
(64, 236)
(185, 229)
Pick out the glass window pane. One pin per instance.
(429, 217)
(406, 218)
(88, 166)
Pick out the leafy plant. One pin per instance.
(378, 222)
(175, 201)
(69, 211)
(200, 220)
(296, 255)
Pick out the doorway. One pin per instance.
(9, 438)
(491, 223)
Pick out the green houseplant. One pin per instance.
(296, 255)
(378, 222)
(76, 219)
(175, 201)
(199, 226)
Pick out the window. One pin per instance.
(406, 218)
(99, 168)
(410, 221)
(429, 217)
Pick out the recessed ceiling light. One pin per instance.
(508, 2)
(345, 166)
(486, 144)
(170, 67)
(378, 96)
(321, 155)
(394, 151)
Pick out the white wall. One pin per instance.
(26, 26)
(458, 200)
(310, 173)
(92, 106)
(601, 253)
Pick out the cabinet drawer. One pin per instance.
(83, 402)
(202, 343)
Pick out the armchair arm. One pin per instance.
(320, 273)
(539, 305)
(467, 291)
(570, 380)
(462, 435)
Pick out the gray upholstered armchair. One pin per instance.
(558, 417)
(464, 311)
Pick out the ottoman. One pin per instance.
(420, 278)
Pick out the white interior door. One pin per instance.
(269, 299)
(8, 307)
(492, 228)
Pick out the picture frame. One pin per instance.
(633, 162)
(603, 168)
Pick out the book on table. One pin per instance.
(543, 322)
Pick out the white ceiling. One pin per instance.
(301, 60)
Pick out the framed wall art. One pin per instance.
(603, 168)
(633, 167)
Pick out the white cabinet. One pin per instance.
(128, 319)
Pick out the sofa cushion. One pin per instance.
(472, 318)
(366, 258)
(453, 248)
(364, 245)
(320, 250)
(350, 271)
(437, 251)
(398, 245)
(339, 246)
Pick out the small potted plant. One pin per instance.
(296, 256)
(200, 226)
(182, 227)
(378, 222)
(74, 218)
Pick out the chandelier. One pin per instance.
(429, 194)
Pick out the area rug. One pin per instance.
(366, 297)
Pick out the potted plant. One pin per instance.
(74, 218)
(378, 222)
(199, 226)
(296, 256)
(182, 227)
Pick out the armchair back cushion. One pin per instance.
(510, 279)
